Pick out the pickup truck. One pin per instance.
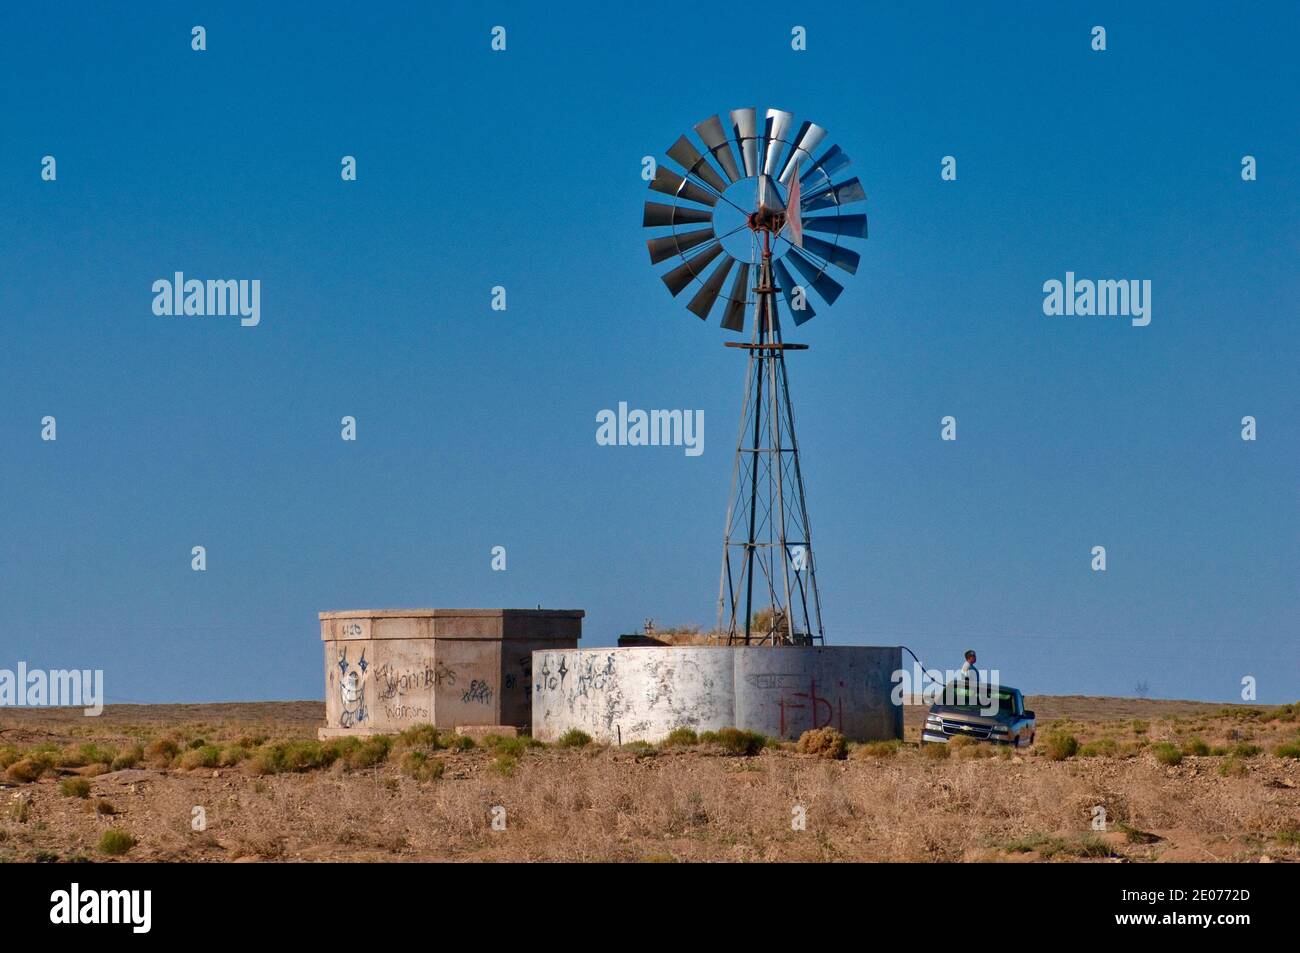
(1011, 725)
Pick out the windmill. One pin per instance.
(739, 205)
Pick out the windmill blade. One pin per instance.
(825, 285)
(733, 317)
(778, 130)
(830, 196)
(712, 135)
(834, 254)
(670, 245)
(702, 303)
(693, 267)
(670, 183)
(745, 123)
(688, 157)
(851, 226)
(657, 214)
(830, 163)
(787, 284)
(809, 138)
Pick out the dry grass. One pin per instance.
(425, 796)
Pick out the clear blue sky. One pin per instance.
(477, 428)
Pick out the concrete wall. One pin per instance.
(644, 693)
(389, 669)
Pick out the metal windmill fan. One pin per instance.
(750, 217)
(726, 203)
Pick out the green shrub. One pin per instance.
(573, 738)
(1195, 746)
(935, 752)
(105, 808)
(681, 738)
(370, 752)
(823, 742)
(1060, 746)
(232, 755)
(505, 764)
(75, 787)
(1139, 726)
(422, 767)
(204, 756)
(1290, 749)
(419, 736)
(1243, 749)
(116, 842)
(1100, 748)
(511, 746)
(1167, 753)
(8, 755)
(1233, 767)
(128, 758)
(454, 742)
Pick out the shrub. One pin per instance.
(1061, 746)
(1195, 746)
(116, 842)
(75, 787)
(962, 741)
(8, 755)
(92, 753)
(128, 758)
(1167, 754)
(734, 741)
(573, 738)
(25, 771)
(419, 736)
(505, 764)
(511, 746)
(1243, 749)
(823, 742)
(877, 749)
(1233, 767)
(1100, 748)
(1290, 749)
(205, 756)
(105, 808)
(681, 738)
(422, 767)
(368, 753)
(454, 742)
(161, 751)
(1140, 727)
(232, 755)
(935, 752)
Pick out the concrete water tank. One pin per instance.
(389, 669)
(643, 693)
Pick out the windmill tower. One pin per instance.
(752, 218)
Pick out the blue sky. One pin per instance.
(476, 427)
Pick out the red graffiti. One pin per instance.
(816, 705)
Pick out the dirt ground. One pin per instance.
(1238, 802)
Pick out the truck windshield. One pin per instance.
(967, 698)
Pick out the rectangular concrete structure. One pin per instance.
(389, 669)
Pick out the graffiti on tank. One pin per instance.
(394, 682)
(405, 712)
(352, 630)
(549, 679)
(478, 691)
(594, 676)
(821, 711)
(352, 689)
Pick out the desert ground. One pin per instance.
(1184, 781)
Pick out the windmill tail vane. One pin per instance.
(743, 205)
